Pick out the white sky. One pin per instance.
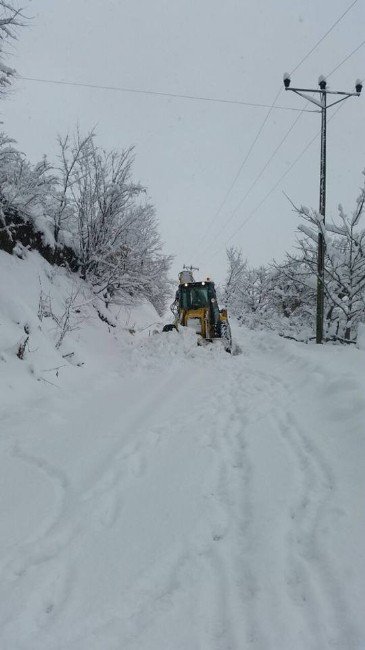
(188, 152)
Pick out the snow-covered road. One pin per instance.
(179, 498)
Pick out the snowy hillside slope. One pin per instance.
(169, 496)
(35, 299)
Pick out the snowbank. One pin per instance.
(51, 326)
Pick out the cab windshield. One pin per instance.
(194, 297)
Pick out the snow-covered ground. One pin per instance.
(165, 496)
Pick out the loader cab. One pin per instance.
(197, 295)
(193, 296)
(198, 300)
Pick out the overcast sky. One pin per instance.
(189, 152)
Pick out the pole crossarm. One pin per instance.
(302, 92)
(327, 92)
(342, 99)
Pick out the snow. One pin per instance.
(165, 495)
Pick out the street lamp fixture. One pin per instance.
(322, 82)
(322, 106)
(286, 79)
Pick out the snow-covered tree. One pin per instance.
(232, 295)
(11, 18)
(114, 228)
(293, 298)
(344, 267)
(71, 152)
(283, 296)
(25, 191)
(246, 291)
(25, 186)
(102, 196)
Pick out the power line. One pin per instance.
(252, 213)
(324, 36)
(228, 192)
(243, 163)
(217, 213)
(346, 58)
(200, 98)
(280, 145)
(259, 175)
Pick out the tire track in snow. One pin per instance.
(216, 610)
(71, 508)
(52, 588)
(234, 618)
(176, 576)
(312, 582)
(308, 551)
(48, 557)
(60, 486)
(245, 565)
(200, 554)
(122, 468)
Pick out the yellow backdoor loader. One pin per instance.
(196, 306)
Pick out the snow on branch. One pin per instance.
(11, 18)
(338, 230)
(309, 232)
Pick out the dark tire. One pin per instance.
(169, 327)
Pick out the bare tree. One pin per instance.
(72, 154)
(11, 18)
(233, 287)
(114, 228)
(248, 292)
(344, 266)
(68, 320)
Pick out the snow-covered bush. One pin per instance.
(268, 298)
(282, 297)
(26, 191)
